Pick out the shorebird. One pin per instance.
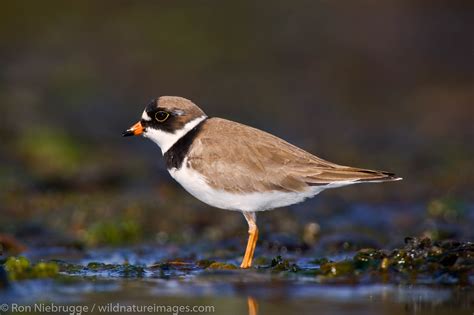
(232, 166)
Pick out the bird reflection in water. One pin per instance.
(253, 305)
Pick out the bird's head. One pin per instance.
(166, 119)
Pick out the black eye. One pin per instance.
(161, 116)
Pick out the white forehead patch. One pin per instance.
(145, 116)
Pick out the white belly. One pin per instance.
(195, 184)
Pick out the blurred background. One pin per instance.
(384, 85)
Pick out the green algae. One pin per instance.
(68, 268)
(222, 266)
(320, 261)
(280, 264)
(125, 270)
(419, 260)
(204, 263)
(191, 266)
(20, 268)
(176, 265)
(262, 261)
(338, 269)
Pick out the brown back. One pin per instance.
(239, 158)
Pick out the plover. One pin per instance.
(232, 166)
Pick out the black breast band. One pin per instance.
(174, 157)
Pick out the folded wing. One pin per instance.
(245, 159)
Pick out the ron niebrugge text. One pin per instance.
(106, 308)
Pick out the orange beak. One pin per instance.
(135, 130)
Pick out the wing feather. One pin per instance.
(240, 158)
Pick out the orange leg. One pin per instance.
(253, 305)
(252, 242)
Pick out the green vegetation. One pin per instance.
(125, 270)
(20, 268)
(222, 266)
(419, 261)
(280, 264)
(446, 209)
(114, 233)
(51, 153)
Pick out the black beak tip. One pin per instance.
(127, 133)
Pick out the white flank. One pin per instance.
(196, 185)
(165, 140)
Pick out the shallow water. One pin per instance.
(110, 280)
(176, 272)
(272, 296)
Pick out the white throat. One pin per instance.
(165, 140)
